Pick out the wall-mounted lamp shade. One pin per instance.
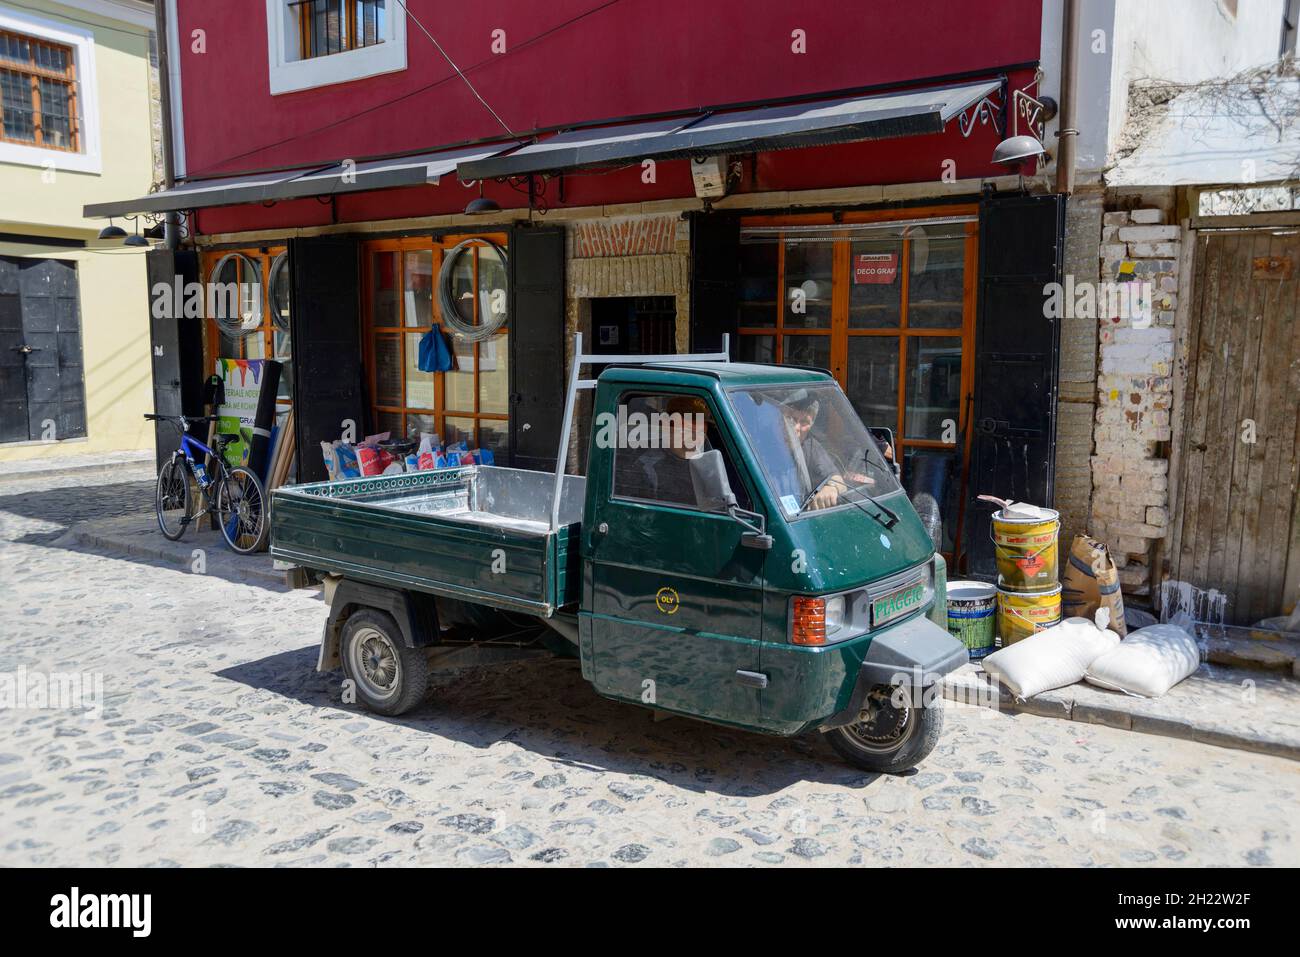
(112, 232)
(481, 205)
(135, 240)
(1017, 149)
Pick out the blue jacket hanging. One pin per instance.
(435, 356)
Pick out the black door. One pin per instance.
(176, 348)
(1013, 454)
(42, 379)
(325, 328)
(715, 280)
(537, 368)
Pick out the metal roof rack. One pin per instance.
(576, 383)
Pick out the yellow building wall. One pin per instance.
(111, 277)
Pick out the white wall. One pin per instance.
(1183, 41)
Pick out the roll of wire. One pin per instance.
(451, 317)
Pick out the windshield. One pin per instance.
(813, 448)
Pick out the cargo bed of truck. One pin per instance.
(477, 533)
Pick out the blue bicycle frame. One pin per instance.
(188, 445)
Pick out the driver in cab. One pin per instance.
(824, 479)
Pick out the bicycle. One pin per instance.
(235, 494)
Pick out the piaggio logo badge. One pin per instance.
(666, 601)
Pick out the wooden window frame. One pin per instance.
(35, 74)
(438, 246)
(839, 332)
(264, 256)
(351, 28)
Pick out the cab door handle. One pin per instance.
(751, 679)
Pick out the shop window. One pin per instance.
(252, 300)
(886, 304)
(469, 402)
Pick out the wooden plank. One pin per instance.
(1184, 321)
(1278, 433)
(1243, 397)
(1217, 351)
(1290, 306)
(1200, 355)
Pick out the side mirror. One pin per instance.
(712, 489)
(713, 492)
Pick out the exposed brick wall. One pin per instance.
(1130, 468)
(598, 265)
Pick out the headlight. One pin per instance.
(834, 615)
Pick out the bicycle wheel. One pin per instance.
(242, 510)
(173, 500)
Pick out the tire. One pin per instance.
(371, 649)
(880, 744)
(243, 511)
(173, 500)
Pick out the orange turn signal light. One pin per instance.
(808, 621)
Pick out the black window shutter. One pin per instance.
(1013, 449)
(176, 344)
(537, 370)
(325, 326)
(715, 280)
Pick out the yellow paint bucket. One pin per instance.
(1026, 550)
(1021, 614)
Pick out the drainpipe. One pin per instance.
(171, 222)
(1066, 132)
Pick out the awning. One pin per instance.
(818, 123)
(424, 168)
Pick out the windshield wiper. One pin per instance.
(893, 516)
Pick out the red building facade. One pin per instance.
(816, 183)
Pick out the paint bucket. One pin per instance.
(1026, 550)
(971, 610)
(1021, 614)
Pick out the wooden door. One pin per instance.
(1234, 527)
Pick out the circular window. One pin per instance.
(279, 297)
(472, 289)
(236, 300)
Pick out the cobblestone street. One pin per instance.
(219, 744)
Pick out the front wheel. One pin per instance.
(242, 509)
(173, 500)
(891, 735)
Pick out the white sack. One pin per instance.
(1148, 662)
(1052, 658)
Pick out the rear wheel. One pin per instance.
(390, 678)
(891, 734)
(242, 509)
(173, 500)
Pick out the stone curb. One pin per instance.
(969, 689)
(14, 472)
(228, 567)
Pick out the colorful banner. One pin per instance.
(243, 383)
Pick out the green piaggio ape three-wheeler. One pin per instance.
(740, 551)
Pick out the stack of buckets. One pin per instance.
(1027, 597)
